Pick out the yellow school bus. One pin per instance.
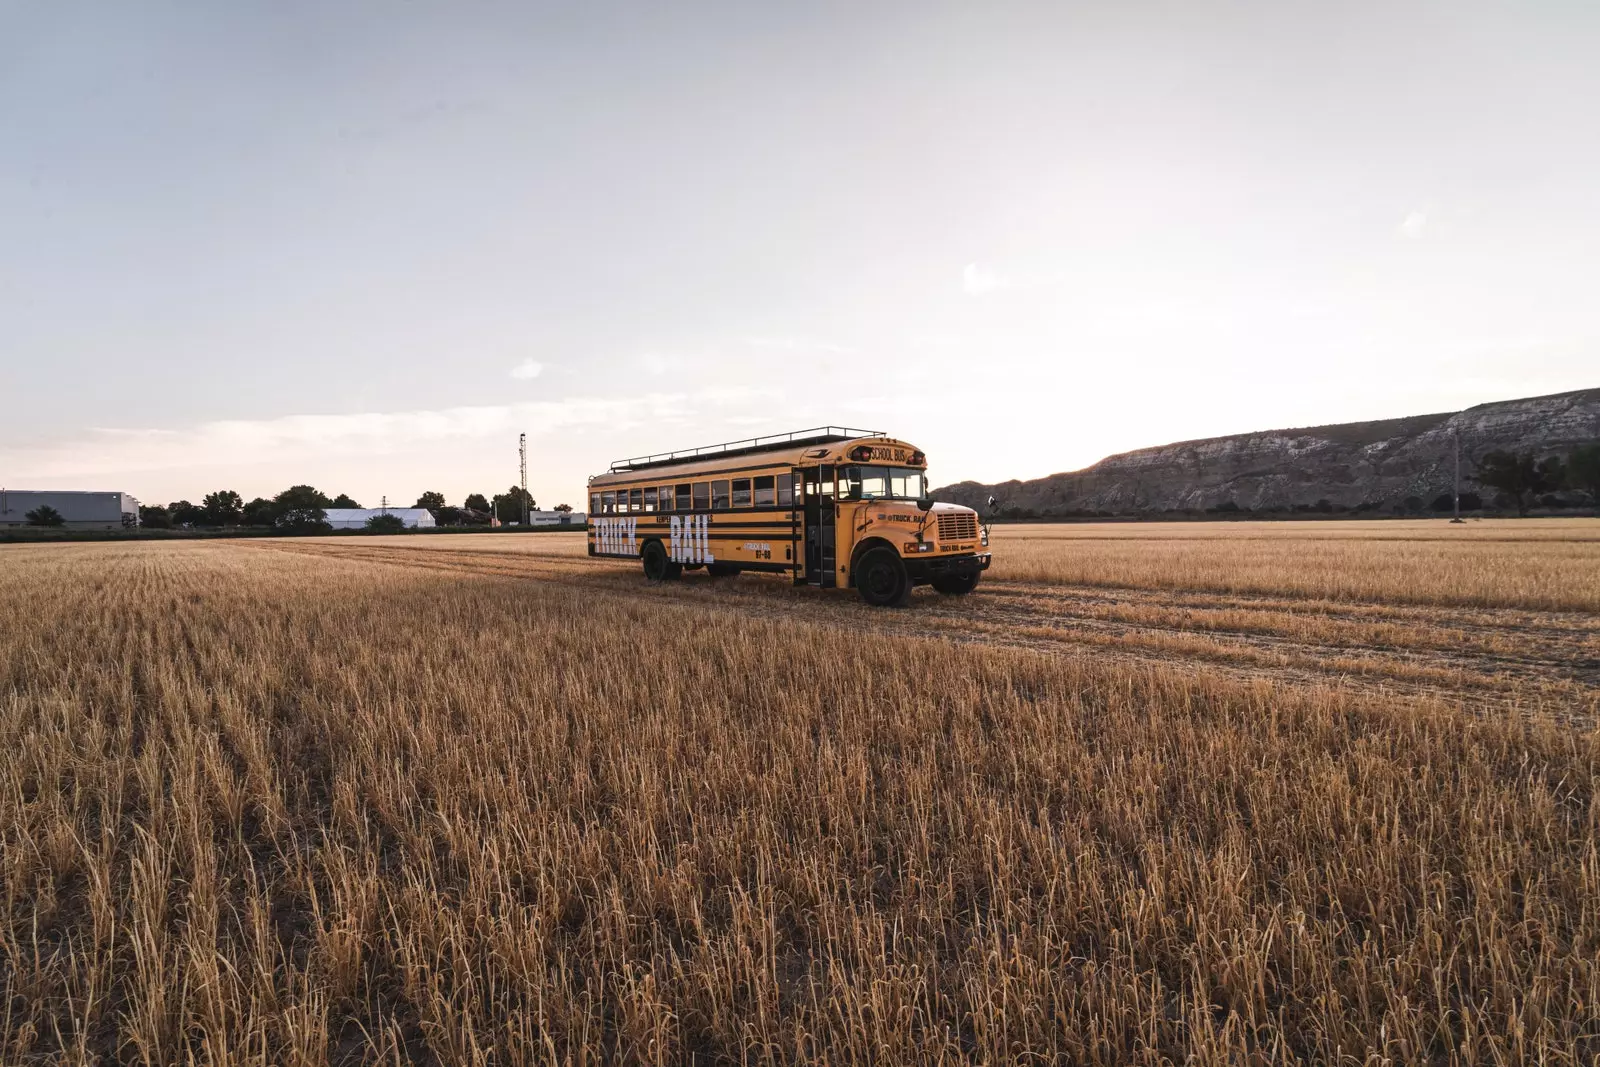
(830, 507)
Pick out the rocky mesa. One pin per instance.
(1390, 465)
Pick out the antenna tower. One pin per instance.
(522, 453)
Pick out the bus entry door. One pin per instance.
(820, 564)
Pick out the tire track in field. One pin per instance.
(1517, 658)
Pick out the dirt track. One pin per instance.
(1540, 662)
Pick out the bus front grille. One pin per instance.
(958, 526)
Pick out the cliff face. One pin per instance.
(1351, 465)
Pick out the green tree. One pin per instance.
(301, 509)
(260, 512)
(431, 500)
(1583, 471)
(154, 517)
(386, 523)
(1519, 475)
(222, 508)
(508, 505)
(343, 501)
(477, 502)
(184, 513)
(45, 515)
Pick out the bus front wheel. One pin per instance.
(882, 580)
(657, 567)
(956, 584)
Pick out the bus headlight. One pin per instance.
(983, 537)
(918, 546)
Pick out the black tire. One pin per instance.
(881, 579)
(657, 567)
(956, 584)
(721, 570)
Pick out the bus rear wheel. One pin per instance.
(657, 567)
(881, 579)
(956, 584)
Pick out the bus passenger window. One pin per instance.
(786, 488)
(684, 501)
(650, 498)
(636, 500)
(741, 492)
(665, 501)
(702, 496)
(608, 503)
(763, 497)
(719, 495)
(594, 503)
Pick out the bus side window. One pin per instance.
(702, 496)
(594, 503)
(636, 500)
(684, 500)
(664, 501)
(763, 497)
(787, 484)
(719, 495)
(650, 498)
(741, 492)
(608, 503)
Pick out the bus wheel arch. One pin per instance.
(879, 575)
(658, 567)
(861, 550)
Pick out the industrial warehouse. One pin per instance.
(77, 510)
(357, 518)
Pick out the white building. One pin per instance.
(357, 518)
(78, 510)
(556, 518)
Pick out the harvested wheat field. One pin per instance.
(1222, 793)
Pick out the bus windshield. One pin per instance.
(881, 483)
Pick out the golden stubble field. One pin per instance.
(1320, 792)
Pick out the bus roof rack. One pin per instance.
(817, 435)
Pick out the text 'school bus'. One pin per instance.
(830, 507)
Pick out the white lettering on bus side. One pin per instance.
(616, 537)
(688, 539)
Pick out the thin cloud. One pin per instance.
(289, 438)
(789, 343)
(977, 279)
(1413, 224)
(528, 368)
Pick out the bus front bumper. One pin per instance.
(925, 570)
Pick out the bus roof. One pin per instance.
(817, 435)
(799, 447)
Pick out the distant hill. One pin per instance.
(1392, 464)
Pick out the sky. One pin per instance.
(365, 245)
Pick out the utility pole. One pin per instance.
(1455, 436)
(383, 503)
(522, 452)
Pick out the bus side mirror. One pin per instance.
(925, 503)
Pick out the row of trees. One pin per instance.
(303, 509)
(300, 507)
(1524, 477)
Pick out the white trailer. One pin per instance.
(78, 510)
